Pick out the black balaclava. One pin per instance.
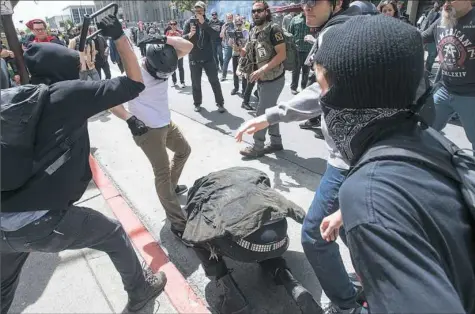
(49, 63)
(375, 65)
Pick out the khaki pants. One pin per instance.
(154, 144)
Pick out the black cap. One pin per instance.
(375, 62)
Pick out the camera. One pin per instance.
(235, 34)
(194, 21)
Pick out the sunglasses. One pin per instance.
(214, 14)
(173, 24)
(257, 11)
(308, 3)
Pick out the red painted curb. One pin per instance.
(181, 295)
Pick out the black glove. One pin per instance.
(155, 39)
(136, 126)
(110, 27)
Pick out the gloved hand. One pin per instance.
(155, 39)
(136, 126)
(110, 27)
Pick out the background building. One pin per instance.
(57, 21)
(146, 11)
(77, 12)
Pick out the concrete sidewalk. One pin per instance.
(82, 281)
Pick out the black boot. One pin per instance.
(233, 302)
(299, 294)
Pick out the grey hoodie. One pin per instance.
(306, 105)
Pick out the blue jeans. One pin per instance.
(228, 54)
(447, 104)
(325, 256)
(218, 53)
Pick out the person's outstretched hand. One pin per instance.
(330, 226)
(251, 127)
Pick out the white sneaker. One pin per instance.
(180, 85)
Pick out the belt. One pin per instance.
(45, 223)
(263, 247)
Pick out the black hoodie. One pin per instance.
(70, 102)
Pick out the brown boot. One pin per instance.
(251, 152)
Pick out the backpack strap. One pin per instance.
(386, 152)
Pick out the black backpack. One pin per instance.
(23, 162)
(461, 169)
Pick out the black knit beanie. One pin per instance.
(373, 61)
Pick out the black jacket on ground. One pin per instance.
(234, 202)
(202, 41)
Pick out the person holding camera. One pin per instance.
(42, 179)
(198, 31)
(238, 42)
(226, 32)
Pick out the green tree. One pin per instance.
(185, 5)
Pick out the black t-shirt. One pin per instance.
(456, 48)
(68, 107)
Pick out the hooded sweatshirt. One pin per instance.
(306, 104)
(69, 103)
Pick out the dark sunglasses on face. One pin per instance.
(214, 14)
(173, 24)
(309, 3)
(257, 11)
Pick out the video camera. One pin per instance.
(193, 21)
(236, 34)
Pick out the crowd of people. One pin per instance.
(409, 226)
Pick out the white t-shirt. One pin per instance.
(151, 106)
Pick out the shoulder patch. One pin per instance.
(278, 36)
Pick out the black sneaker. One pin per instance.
(154, 285)
(221, 109)
(234, 91)
(181, 189)
(246, 106)
(179, 235)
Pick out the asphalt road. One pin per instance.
(295, 172)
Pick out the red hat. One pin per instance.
(29, 24)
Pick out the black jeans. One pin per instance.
(181, 71)
(236, 78)
(218, 53)
(76, 228)
(296, 72)
(248, 92)
(196, 69)
(105, 67)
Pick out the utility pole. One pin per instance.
(12, 38)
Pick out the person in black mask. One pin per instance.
(38, 213)
(199, 32)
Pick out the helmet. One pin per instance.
(366, 7)
(161, 61)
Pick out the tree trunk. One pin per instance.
(14, 44)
